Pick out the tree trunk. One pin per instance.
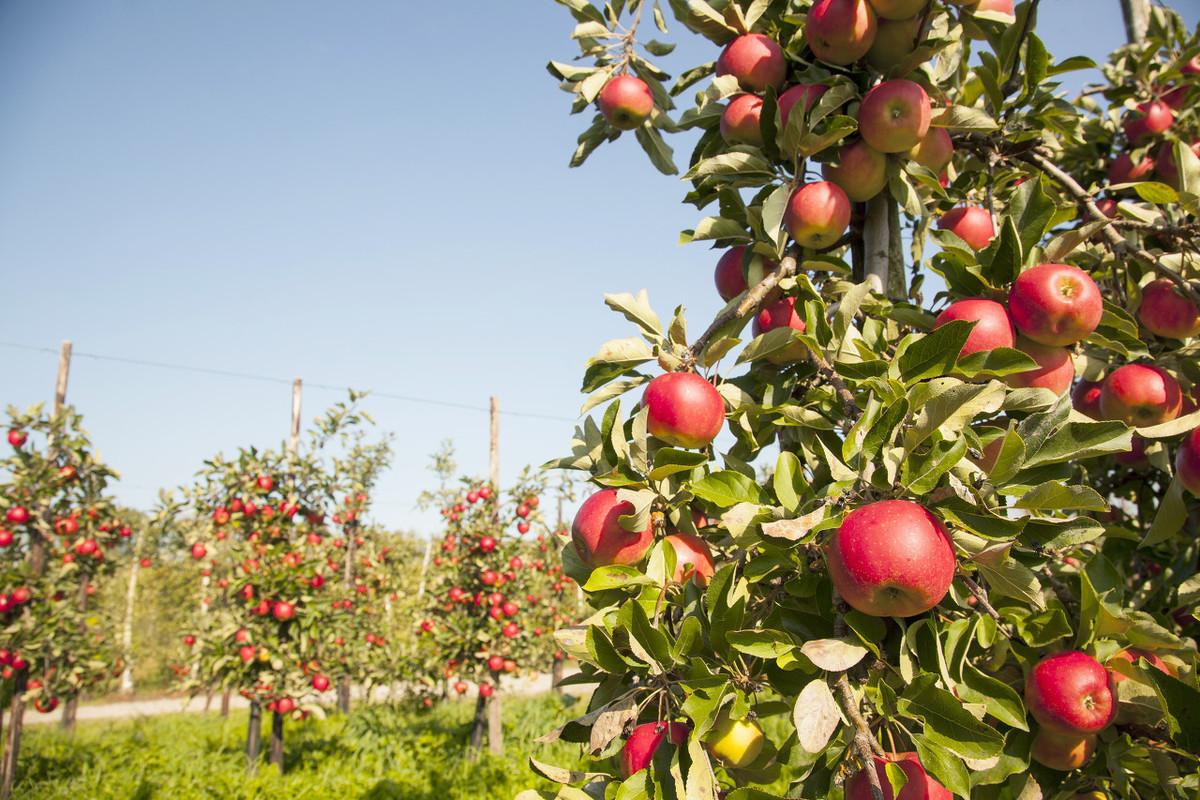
(556, 673)
(127, 624)
(253, 737)
(1137, 19)
(343, 695)
(225, 702)
(71, 707)
(277, 740)
(495, 725)
(897, 285)
(877, 240)
(477, 727)
(12, 745)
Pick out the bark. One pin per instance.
(225, 702)
(127, 627)
(12, 745)
(877, 240)
(253, 736)
(1137, 19)
(495, 725)
(477, 726)
(276, 754)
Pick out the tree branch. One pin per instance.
(826, 370)
(750, 304)
(866, 746)
(982, 597)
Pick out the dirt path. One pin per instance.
(153, 707)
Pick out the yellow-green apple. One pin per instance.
(992, 328)
(1055, 304)
(738, 269)
(626, 102)
(1149, 119)
(741, 119)
(734, 742)
(935, 151)
(1129, 659)
(895, 40)
(1062, 751)
(1166, 311)
(894, 116)
(1165, 165)
(683, 409)
(1055, 371)
(1070, 693)
(598, 536)
(898, 9)
(840, 31)
(644, 741)
(809, 93)
(1086, 398)
(919, 786)
(891, 558)
(757, 62)
(1187, 462)
(860, 170)
(1140, 395)
(782, 314)
(1123, 170)
(971, 224)
(817, 214)
(693, 558)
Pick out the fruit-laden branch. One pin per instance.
(866, 746)
(751, 303)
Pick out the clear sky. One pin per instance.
(372, 194)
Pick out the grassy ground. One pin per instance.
(377, 753)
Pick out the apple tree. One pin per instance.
(855, 535)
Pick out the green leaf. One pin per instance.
(932, 354)
(669, 461)
(1032, 212)
(1171, 515)
(761, 642)
(615, 358)
(1005, 255)
(716, 228)
(1076, 441)
(788, 482)
(638, 311)
(994, 363)
(1058, 496)
(1160, 194)
(727, 488)
(615, 576)
(922, 471)
(945, 767)
(1011, 578)
(1001, 701)
(963, 118)
(660, 153)
(732, 163)
(947, 723)
(1182, 705)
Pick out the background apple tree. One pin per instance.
(947, 534)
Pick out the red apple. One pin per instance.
(1055, 304)
(894, 116)
(1123, 170)
(1166, 311)
(1071, 693)
(1062, 752)
(693, 558)
(1150, 119)
(487, 544)
(511, 630)
(1131, 656)
(817, 214)
(756, 61)
(283, 610)
(486, 690)
(265, 483)
(1187, 462)
(808, 93)
(495, 663)
(199, 551)
(1165, 165)
(860, 170)
(599, 538)
(6, 537)
(16, 438)
(320, 682)
(935, 152)
(247, 652)
(895, 41)
(891, 558)
(740, 120)
(626, 102)
(738, 269)
(992, 328)
(1086, 398)
(840, 31)
(683, 410)
(971, 224)
(644, 740)
(782, 314)
(1140, 395)
(1056, 368)
(920, 785)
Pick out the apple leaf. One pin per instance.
(947, 723)
(834, 655)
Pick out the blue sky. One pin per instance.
(360, 194)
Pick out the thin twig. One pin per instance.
(751, 303)
(866, 746)
(981, 596)
(829, 373)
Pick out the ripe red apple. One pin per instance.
(599, 538)
(1071, 693)
(734, 274)
(740, 120)
(487, 544)
(1131, 656)
(683, 410)
(283, 610)
(840, 31)
(1187, 462)
(817, 214)
(895, 41)
(1165, 311)
(1165, 165)
(246, 652)
(511, 630)
(756, 61)
(495, 663)
(693, 558)
(1056, 368)
(894, 116)
(285, 705)
(199, 551)
(626, 102)
(486, 690)
(920, 785)
(6, 537)
(898, 9)
(992, 328)
(971, 224)
(265, 483)
(808, 93)
(1150, 119)
(782, 314)
(1086, 398)
(644, 740)
(1140, 395)
(1055, 304)
(860, 170)
(891, 558)
(1123, 170)
(460, 687)
(510, 609)
(935, 152)
(16, 438)
(1062, 752)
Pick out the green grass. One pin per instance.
(377, 753)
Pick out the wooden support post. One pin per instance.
(253, 736)
(424, 567)
(1137, 19)
(12, 748)
(877, 240)
(127, 624)
(494, 723)
(276, 754)
(294, 438)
